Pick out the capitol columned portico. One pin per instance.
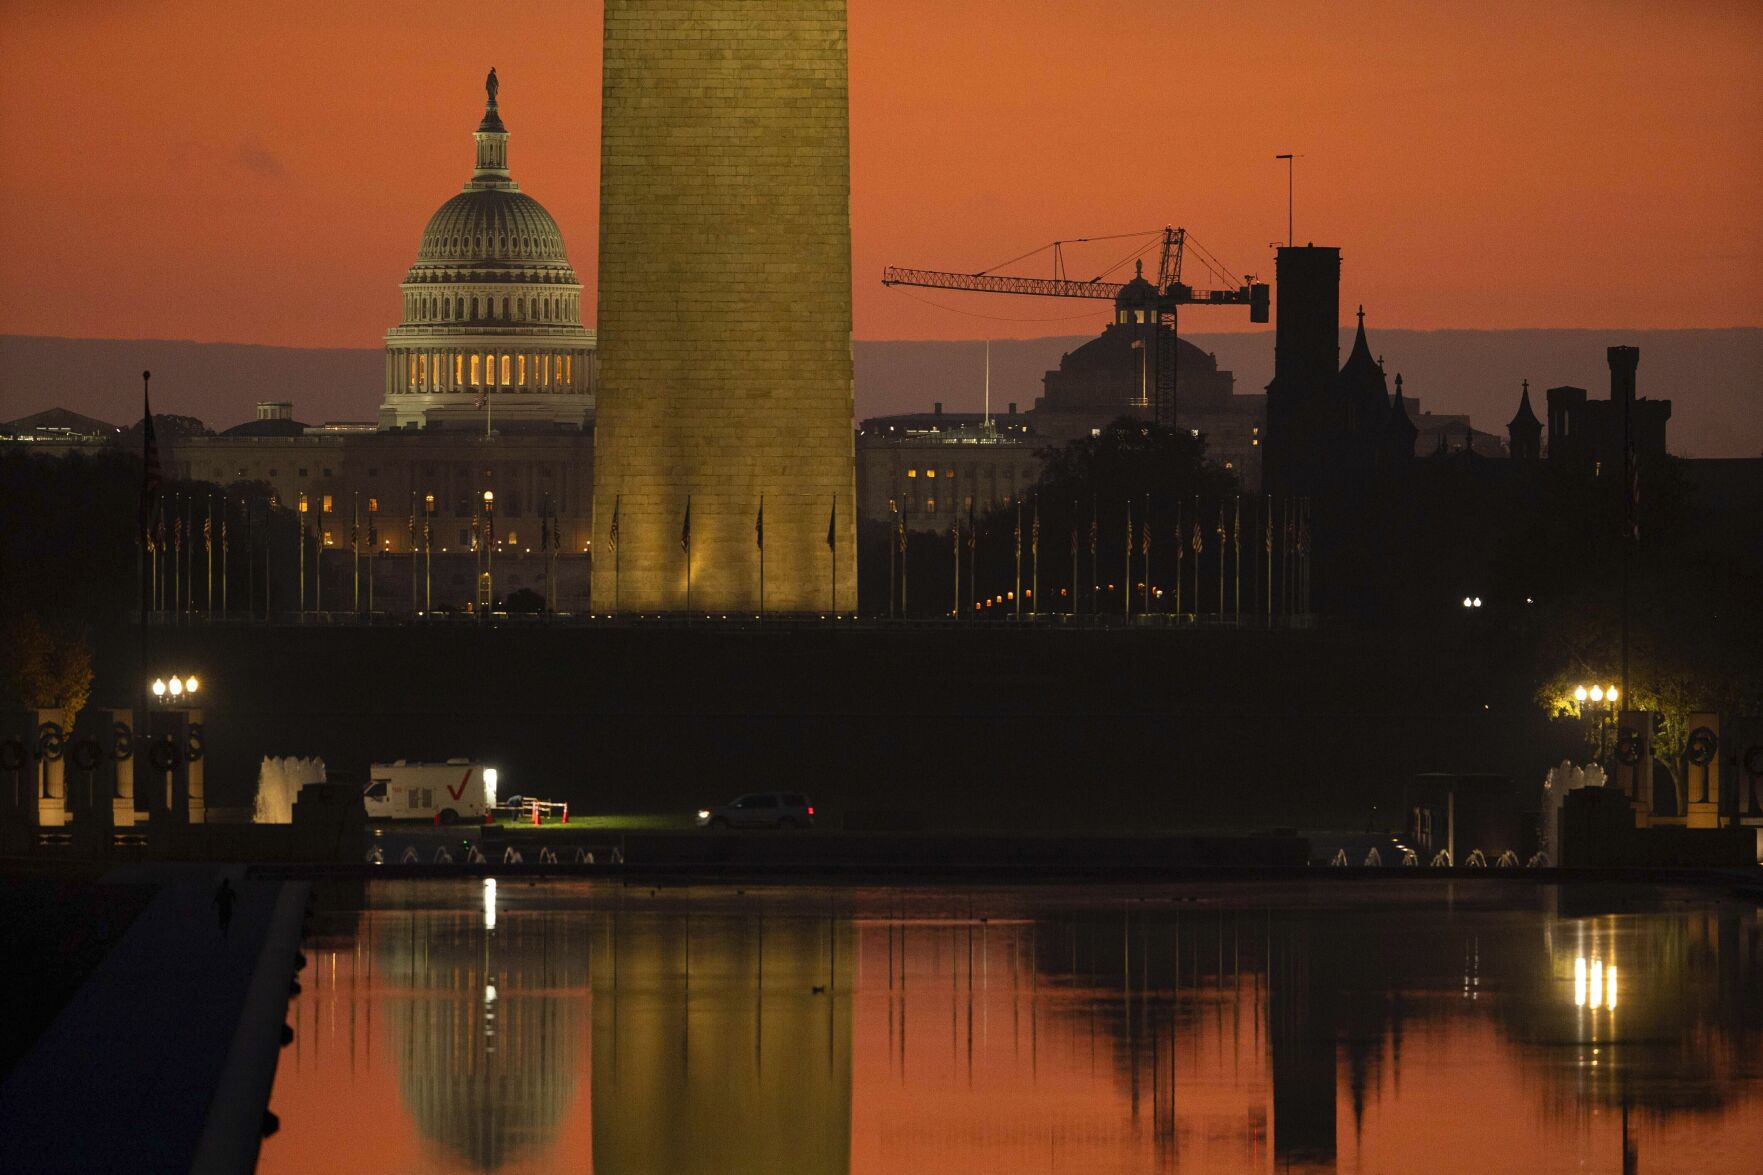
(491, 331)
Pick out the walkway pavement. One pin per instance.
(129, 1076)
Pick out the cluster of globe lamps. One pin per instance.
(175, 688)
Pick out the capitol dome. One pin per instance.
(491, 224)
(491, 333)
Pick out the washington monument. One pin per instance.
(725, 309)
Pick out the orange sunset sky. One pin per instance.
(218, 171)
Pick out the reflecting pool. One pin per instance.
(476, 1026)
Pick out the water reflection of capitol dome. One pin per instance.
(484, 1033)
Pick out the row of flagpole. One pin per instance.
(1283, 589)
(614, 535)
(187, 548)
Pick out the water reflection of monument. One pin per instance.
(721, 1043)
(1302, 1033)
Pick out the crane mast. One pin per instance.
(1172, 293)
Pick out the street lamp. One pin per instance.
(490, 551)
(1602, 698)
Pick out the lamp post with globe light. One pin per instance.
(489, 551)
(1602, 712)
(183, 745)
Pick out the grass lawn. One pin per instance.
(606, 822)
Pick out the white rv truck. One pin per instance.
(450, 792)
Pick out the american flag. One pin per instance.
(1145, 537)
(1034, 530)
(612, 539)
(1198, 543)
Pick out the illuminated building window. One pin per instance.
(373, 505)
(912, 473)
(930, 505)
(522, 378)
(1138, 316)
(504, 371)
(458, 369)
(327, 504)
(930, 473)
(513, 539)
(327, 538)
(474, 363)
(568, 368)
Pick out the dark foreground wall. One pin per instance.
(969, 726)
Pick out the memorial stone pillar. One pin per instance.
(49, 749)
(1701, 775)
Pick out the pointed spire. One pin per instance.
(1525, 418)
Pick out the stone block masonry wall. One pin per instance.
(725, 306)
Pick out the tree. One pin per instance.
(524, 600)
(49, 668)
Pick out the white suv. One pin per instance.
(760, 809)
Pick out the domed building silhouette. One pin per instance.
(492, 331)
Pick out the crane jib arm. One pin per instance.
(1254, 296)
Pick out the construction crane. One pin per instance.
(1172, 292)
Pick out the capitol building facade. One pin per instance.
(476, 479)
(492, 325)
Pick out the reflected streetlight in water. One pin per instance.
(489, 903)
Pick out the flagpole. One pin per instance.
(1145, 529)
(318, 562)
(686, 547)
(1018, 597)
(355, 550)
(208, 547)
(617, 556)
(149, 509)
(428, 553)
(1074, 559)
(1095, 571)
(832, 545)
(893, 552)
(373, 536)
(759, 535)
(905, 549)
(955, 543)
(410, 531)
(1181, 559)
(1126, 583)
(1034, 548)
(189, 596)
(225, 550)
(1237, 543)
(1223, 555)
(1267, 542)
